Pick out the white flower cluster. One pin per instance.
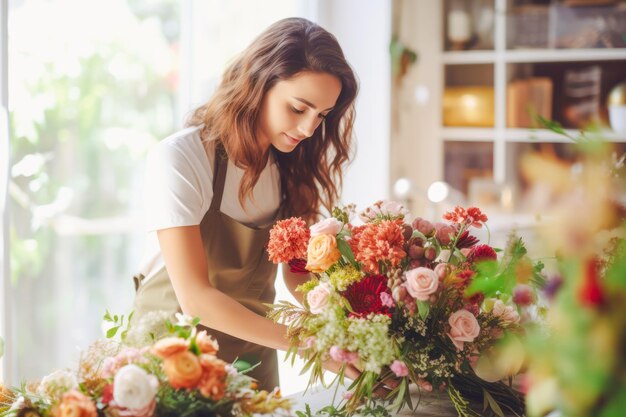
(370, 337)
(55, 384)
(149, 328)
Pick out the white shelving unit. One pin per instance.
(418, 131)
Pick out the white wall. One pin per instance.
(363, 29)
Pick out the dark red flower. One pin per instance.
(298, 266)
(466, 240)
(590, 293)
(482, 253)
(364, 296)
(476, 299)
(465, 277)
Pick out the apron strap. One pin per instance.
(219, 176)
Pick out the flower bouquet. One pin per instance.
(178, 375)
(421, 303)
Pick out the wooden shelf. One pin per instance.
(474, 134)
(545, 135)
(469, 57)
(533, 55)
(468, 134)
(564, 55)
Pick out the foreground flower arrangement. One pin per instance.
(178, 375)
(578, 368)
(421, 303)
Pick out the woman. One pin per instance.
(271, 143)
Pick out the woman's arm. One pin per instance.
(292, 280)
(186, 264)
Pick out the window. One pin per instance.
(92, 85)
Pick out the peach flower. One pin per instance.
(169, 346)
(318, 298)
(506, 313)
(463, 328)
(75, 404)
(206, 343)
(421, 283)
(330, 226)
(213, 381)
(322, 253)
(182, 369)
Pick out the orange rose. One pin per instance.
(206, 343)
(169, 346)
(213, 381)
(183, 369)
(322, 253)
(75, 404)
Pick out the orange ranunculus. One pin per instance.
(169, 346)
(183, 370)
(322, 253)
(206, 343)
(213, 381)
(75, 404)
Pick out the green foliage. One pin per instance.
(117, 324)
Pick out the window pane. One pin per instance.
(92, 85)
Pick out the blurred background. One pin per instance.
(449, 94)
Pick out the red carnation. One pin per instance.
(378, 242)
(482, 253)
(289, 240)
(364, 296)
(476, 217)
(472, 216)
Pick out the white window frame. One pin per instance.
(5, 277)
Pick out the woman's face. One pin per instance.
(292, 109)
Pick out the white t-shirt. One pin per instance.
(178, 189)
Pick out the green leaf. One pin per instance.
(493, 404)
(112, 332)
(423, 307)
(241, 365)
(346, 251)
(107, 316)
(195, 321)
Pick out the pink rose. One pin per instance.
(318, 298)
(507, 314)
(330, 226)
(421, 283)
(393, 208)
(463, 328)
(442, 270)
(399, 368)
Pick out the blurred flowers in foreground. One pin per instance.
(578, 367)
(176, 374)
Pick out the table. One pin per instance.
(435, 404)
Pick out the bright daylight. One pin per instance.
(312, 208)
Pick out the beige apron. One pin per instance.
(238, 266)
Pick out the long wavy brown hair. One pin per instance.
(311, 175)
